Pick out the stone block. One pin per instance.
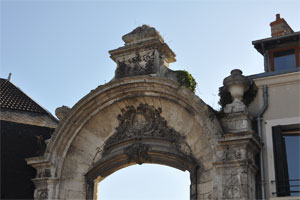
(236, 122)
(205, 188)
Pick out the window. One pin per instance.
(284, 59)
(286, 143)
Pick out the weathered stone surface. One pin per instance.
(62, 112)
(236, 78)
(235, 107)
(78, 143)
(235, 123)
(143, 122)
(141, 34)
(235, 167)
(144, 53)
(236, 84)
(137, 118)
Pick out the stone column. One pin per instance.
(235, 167)
(45, 182)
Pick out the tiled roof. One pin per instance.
(13, 98)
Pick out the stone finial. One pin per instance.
(280, 27)
(236, 119)
(141, 34)
(236, 84)
(62, 112)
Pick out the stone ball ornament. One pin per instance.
(236, 84)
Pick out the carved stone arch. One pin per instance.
(169, 124)
(143, 115)
(143, 136)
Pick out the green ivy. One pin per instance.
(248, 97)
(225, 97)
(186, 79)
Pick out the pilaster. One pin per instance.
(235, 168)
(45, 182)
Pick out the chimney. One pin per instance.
(280, 27)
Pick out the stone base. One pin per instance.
(235, 107)
(236, 123)
(235, 168)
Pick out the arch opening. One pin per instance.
(147, 181)
(140, 152)
(144, 136)
(117, 125)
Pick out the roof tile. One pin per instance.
(12, 97)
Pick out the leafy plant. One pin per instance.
(225, 97)
(186, 79)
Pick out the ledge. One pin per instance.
(275, 73)
(285, 198)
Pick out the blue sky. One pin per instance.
(146, 182)
(57, 51)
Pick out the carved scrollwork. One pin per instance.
(232, 188)
(143, 122)
(137, 152)
(231, 154)
(47, 173)
(44, 173)
(43, 194)
(138, 65)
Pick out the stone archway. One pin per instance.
(145, 116)
(85, 141)
(143, 136)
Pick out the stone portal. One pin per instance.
(145, 116)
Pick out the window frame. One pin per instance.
(283, 186)
(296, 50)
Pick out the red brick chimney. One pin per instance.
(280, 27)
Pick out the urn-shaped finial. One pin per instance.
(236, 84)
